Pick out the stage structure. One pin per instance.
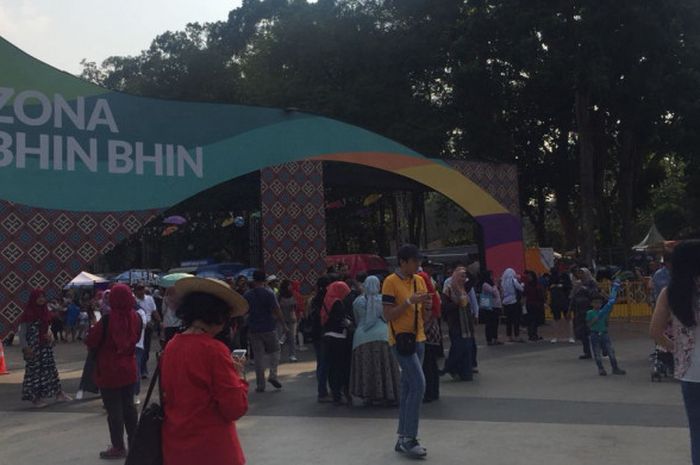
(83, 168)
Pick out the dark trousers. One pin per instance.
(490, 319)
(432, 372)
(121, 413)
(321, 367)
(691, 399)
(513, 313)
(147, 334)
(533, 321)
(339, 360)
(584, 335)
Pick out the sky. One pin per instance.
(63, 32)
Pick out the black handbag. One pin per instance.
(406, 342)
(146, 445)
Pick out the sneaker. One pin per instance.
(275, 383)
(618, 371)
(293, 359)
(79, 395)
(585, 357)
(113, 454)
(554, 340)
(602, 372)
(411, 447)
(572, 340)
(137, 401)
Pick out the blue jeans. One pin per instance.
(412, 391)
(139, 363)
(691, 398)
(321, 368)
(600, 342)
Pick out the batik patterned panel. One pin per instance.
(294, 221)
(47, 248)
(498, 179)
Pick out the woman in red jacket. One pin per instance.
(115, 370)
(203, 393)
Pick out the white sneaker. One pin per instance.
(137, 401)
(572, 340)
(79, 395)
(293, 359)
(554, 341)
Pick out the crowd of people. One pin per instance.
(378, 341)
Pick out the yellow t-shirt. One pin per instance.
(396, 290)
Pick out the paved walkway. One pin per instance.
(531, 404)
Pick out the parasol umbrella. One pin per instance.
(169, 280)
(175, 219)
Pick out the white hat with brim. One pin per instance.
(215, 287)
(271, 278)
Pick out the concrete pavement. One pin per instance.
(531, 404)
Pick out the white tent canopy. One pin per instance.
(85, 279)
(653, 240)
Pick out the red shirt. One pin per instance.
(114, 369)
(202, 396)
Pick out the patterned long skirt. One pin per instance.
(40, 375)
(375, 373)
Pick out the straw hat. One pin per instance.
(215, 287)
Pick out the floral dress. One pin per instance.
(40, 375)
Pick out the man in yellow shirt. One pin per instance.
(405, 296)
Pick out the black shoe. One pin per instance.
(585, 357)
(602, 372)
(275, 383)
(618, 371)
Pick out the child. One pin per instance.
(597, 321)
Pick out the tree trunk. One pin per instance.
(587, 175)
(628, 176)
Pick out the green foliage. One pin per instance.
(523, 81)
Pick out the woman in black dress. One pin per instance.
(40, 375)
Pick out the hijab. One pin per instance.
(34, 312)
(104, 304)
(372, 300)
(122, 324)
(337, 291)
(457, 284)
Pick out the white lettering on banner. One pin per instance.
(23, 151)
(119, 153)
(64, 152)
(183, 156)
(73, 148)
(77, 117)
(5, 95)
(5, 144)
(102, 114)
(156, 159)
(44, 103)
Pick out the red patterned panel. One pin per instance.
(47, 248)
(294, 221)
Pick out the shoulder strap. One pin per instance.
(415, 319)
(154, 380)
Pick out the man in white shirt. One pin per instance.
(148, 305)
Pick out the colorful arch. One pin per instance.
(69, 145)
